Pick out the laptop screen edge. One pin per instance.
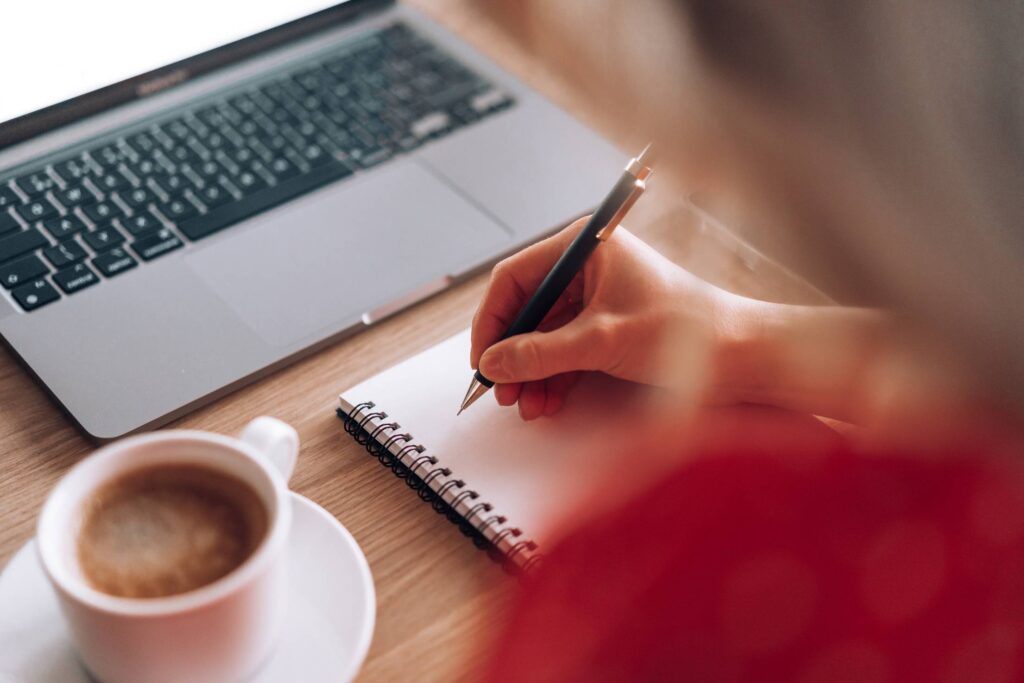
(158, 80)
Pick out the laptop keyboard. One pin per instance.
(123, 200)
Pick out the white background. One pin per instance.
(53, 50)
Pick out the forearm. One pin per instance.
(815, 359)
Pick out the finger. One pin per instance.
(586, 343)
(512, 282)
(567, 308)
(556, 389)
(531, 400)
(507, 394)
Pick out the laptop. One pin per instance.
(193, 194)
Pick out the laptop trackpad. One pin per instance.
(309, 268)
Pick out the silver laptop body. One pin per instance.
(136, 350)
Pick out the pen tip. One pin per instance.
(475, 391)
(642, 157)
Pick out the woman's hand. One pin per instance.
(617, 316)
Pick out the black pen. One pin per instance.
(602, 223)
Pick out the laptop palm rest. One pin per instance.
(319, 264)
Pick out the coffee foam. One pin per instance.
(168, 529)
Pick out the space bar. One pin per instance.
(221, 217)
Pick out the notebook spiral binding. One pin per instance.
(438, 486)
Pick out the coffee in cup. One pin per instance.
(168, 553)
(168, 529)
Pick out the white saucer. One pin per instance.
(331, 611)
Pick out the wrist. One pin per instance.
(742, 365)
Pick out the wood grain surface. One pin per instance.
(438, 597)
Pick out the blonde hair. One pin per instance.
(878, 147)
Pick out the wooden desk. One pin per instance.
(438, 597)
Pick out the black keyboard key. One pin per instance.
(64, 253)
(75, 195)
(73, 169)
(242, 156)
(35, 294)
(182, 154)
(213, 196)
(207, 224)
(315, 155)
(109, 156)
(211, 117)
(199, 150)
(103, 239)
(102, 212)
(110, 181)
(156, 244)
(138, 197)
(283, 169)
(142, 143)
(249, 181)
(15, 273)
(275, 91)
(196, 126)
(172, 185)
(189, 171)
(312, 80)
(39, 210)
(215, 141)
(227, 163)
(36, 184)
(8, 198)
(141, 223)
(281, 116)
(308, 130)
(16, 244)
(176, 129)
(261, 150)
(75, 277)
(209, 169)
(8, 223)
(146, 168)
(178, 208)
(114, 262)
(294, 139)
(248, 127)
(64, 227)
(231, 139)
(276, 142)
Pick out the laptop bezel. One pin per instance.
(158, 80)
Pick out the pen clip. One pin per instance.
(639, 185)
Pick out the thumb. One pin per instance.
(582, 344)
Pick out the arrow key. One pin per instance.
(114, 262)
(141, 223)
(103, 239)
(64, 253)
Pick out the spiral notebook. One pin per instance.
(506, 483)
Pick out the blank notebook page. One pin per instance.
(530, 472)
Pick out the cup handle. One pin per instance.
(276, 440)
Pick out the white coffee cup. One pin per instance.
(220, 632)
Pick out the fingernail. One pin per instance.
(492, 365)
